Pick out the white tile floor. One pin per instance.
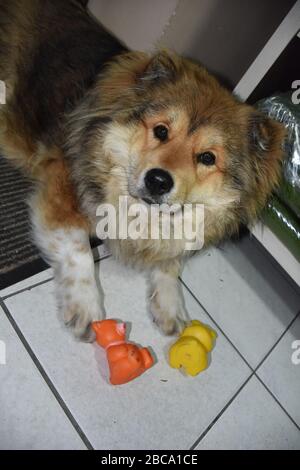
(52, 394)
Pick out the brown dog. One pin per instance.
(91, 121)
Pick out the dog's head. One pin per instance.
(179, 137)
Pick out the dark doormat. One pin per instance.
(19, 258)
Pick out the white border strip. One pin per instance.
(278, 250)
(264, 61)
(270, 53)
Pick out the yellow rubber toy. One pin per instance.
(191, 349)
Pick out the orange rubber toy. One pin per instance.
(126, 360)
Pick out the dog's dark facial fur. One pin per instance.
(81, 118)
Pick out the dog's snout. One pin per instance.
(158, 182)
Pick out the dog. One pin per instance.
(90, 121)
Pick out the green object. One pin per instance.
(286, 226)
(282, 214)
(290, 196)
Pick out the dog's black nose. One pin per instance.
(158, 182)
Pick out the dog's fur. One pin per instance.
(79, 120)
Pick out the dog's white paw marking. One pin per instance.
(166, 303)
(170, 316)
(79, 302)
(170, 321)
(68, 250)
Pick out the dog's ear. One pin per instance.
(164, 65)
(266, 151)
(265, 134)
(135, 70)
(266, 145)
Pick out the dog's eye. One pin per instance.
(161, 133)
(206, 158)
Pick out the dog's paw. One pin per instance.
(80, 307)
(79, 320)
(170, 316)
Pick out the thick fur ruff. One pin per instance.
(80, 120)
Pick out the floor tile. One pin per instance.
(250, 300)
(253, 421)
(281, 371)
(27, 283)
(160, 410)
(99, 252)
(30, 416)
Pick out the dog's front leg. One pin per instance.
(166, 299)
(62, 234)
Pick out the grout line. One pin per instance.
(230, 341)
(46, 377)
(277, 401)
(253, 374)
(264, 359)
(29, 287)
(32, 286)
(216, 324)
(68, 412)
(103, 259)
(276, 342)
(214, 421)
